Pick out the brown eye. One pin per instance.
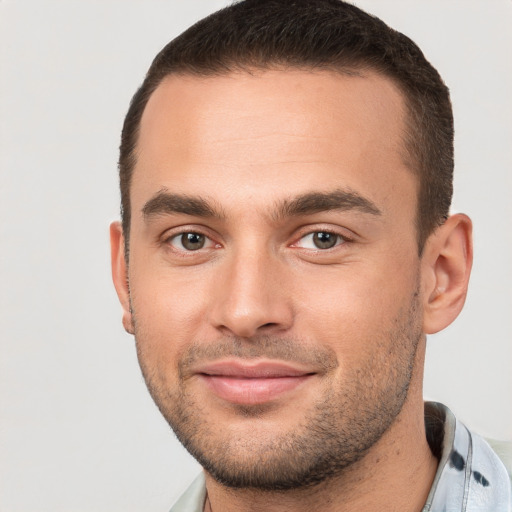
(192, 241)
(324, 240)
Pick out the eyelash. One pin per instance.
(340, 240)
(181, 234)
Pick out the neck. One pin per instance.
(395, 475)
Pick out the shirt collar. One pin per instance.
(470, 477)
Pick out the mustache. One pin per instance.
(318, 357)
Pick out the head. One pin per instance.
(286, 178)
(314, 35)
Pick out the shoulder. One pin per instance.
(503, 449)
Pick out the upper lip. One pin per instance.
(252, 369)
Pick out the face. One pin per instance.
(273, 271)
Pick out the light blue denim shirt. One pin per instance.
(470, 476)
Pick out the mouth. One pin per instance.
(252, 383)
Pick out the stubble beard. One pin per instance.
(336, 432)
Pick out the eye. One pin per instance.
(190, 241)
(320, 240)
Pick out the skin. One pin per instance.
(354, 316)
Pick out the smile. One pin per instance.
(252, 384)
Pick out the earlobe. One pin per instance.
(446, 266)
(120, 273)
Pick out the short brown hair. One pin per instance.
(313, 34)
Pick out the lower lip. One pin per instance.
(245, 391)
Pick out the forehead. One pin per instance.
(278, 129)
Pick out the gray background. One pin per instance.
(78, 431)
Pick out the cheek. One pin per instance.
(168, 312)
(348, 307)
(362, 291)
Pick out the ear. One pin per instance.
(446, 265)
(120, 273)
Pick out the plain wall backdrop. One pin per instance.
(78, 430)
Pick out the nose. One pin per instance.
(251, 297)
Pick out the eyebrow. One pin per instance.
(315, 202)
(167, 203)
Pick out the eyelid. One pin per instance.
(176, 232)
(339, 241)
(209, 243)
(343, 234)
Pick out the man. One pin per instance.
(285, 247)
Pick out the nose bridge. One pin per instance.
(250, 297)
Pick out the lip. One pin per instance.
(252, 383)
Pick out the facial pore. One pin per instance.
(338, 430)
